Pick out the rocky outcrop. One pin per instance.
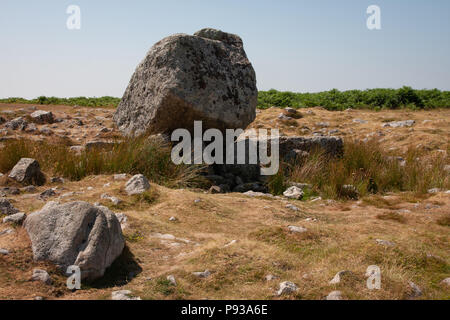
(41, 117)
(28, 171)
(17, 124)
(7, 208)
(183, 78)
(76, 233)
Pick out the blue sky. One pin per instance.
(303, 46)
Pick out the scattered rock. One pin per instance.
(434, 190)
(322, 124)
(271, 277)
(360, 121)
(230, 243)
(399, 124)
(6, 232)
(17, 218)
(7, 208)
(114, 200)
(123, 219)
(296, 229)
(284, 117)
(446, 282)
(175, 85)
(42, 117)
(123, 295)
(294, 193)
(28, 189)
(385, 243)
(349, 191)
(415, 291)
(215, 190)
(4, 252)
(9, 191)
(76, 233)
(120, 177)
(204, 274)
(137, 185)
(42, 276)
(287, 288)
(172, 219)
(335, 295)
(99, 144)
(339, 276)
(172, 280)
(258, 194)
(292, 207)
(47, 194)
(77, 149)
(57, 180)
(28, 171)
(17, 124)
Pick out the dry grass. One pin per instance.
(143, 155)
(369, 168)
(341, 234)
(336, 240)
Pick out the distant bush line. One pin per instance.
(376, 99)
(76, 101)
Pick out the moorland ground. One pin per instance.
(242, 239)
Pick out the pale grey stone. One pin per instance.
(296, 229)
(339, 276)
(183, 78)
(121, 176)
(294, 193)
(415, 290)
(204, 274)
(17, 124)
(15, 218)
(172, 280)
(76, 233)
(41, 117)
(137, 185)
(385, 243)
(7, 208)
(446, 282)
(42, 276)
(399, 124)
(28, 171)
(335, 295)
(287, 287)
(123, 295)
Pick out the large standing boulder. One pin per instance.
(28, 171)
(183, 78)
(76, 233)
